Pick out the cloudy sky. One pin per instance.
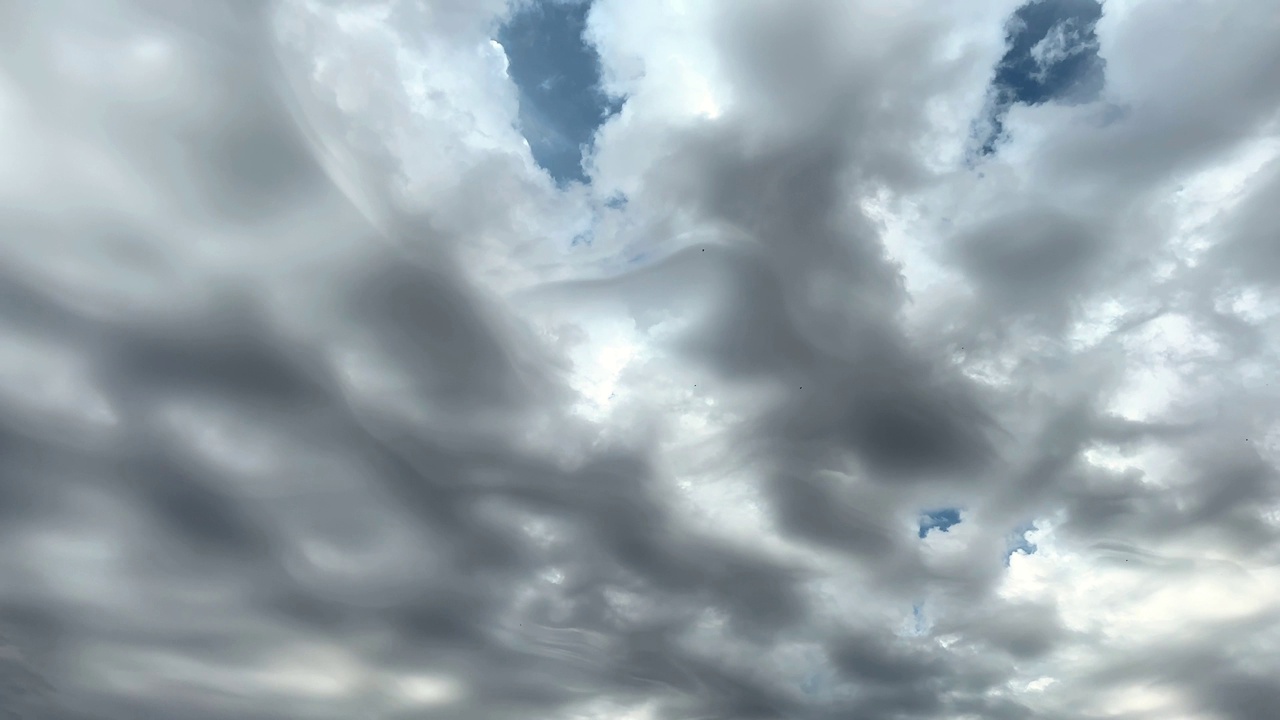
(622, 360)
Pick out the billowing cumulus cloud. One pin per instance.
(748, 359)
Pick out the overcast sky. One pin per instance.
(639, 359)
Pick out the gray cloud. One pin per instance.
(310, 408)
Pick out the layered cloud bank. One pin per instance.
(881, 359)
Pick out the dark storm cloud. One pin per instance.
(210, 521)
(813, 302)
(23, 692)
(274, 447)
(257, 461)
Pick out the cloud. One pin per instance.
(312, 407)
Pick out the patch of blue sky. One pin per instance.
(921, 624)
(613, 204)
(1052, 56)
(819, 680)
(557, 73)
(943, 520)
(1018, 542)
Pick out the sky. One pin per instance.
(663, 360)
(557, 74)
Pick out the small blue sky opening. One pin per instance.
(1051, 56)
(1018, 542)
(942, 520)
(557, 73)
(922, 624)
(817, 680)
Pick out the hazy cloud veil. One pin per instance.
(885, 359)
